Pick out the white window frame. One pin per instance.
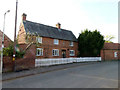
(115, 54)
(71, 43)
(57, 54)
(40, 53)
(39, 39)
(73, 54)
(56, 41)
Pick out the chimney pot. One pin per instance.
(24, 16)
(58, 25)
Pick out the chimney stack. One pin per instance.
(24, 17)
(58, 25)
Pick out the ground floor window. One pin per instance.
(72, 52)
(55, 52)
(39, 52)
(115, 54)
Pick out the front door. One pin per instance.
(63, 53)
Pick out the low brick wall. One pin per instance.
(24, 63)
(7, 64)
(20, 64)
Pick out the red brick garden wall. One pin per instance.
(27, 62)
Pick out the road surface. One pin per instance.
(97, 75)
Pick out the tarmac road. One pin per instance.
(97, 75)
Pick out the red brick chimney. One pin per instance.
(24, 17)
(58, 25)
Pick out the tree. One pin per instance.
(90, 43)
(108, 38)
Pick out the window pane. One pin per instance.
(71, 43)
(56, 41)
(115, 54)
(39, 52)
(72, 52)
(39, 39)
(55, 52)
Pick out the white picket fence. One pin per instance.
(55, 61)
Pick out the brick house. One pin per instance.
(7, 40)
(111, 51)
(51, 42)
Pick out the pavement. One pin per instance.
(38, 70)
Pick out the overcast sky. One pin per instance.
(74, 15)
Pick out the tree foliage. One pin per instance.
(90, 43)
(109, 38)
(8, 51)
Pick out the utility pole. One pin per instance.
(14, 52)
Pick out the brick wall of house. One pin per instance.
(0, 38)
(29, 57)
(30, 52)
(48, 46)
(118, 54)
(21, 35)
(108, 52)
(7, 40)
(109, 55)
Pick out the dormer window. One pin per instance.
(56, 41)
(71, 43)
(39, 39)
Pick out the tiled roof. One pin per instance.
(111, 46)
(48, 31)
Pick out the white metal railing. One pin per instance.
(55, 61)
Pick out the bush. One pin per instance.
(8, 51)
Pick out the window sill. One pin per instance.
(39, 42)
(38, 55)
(72, 55)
